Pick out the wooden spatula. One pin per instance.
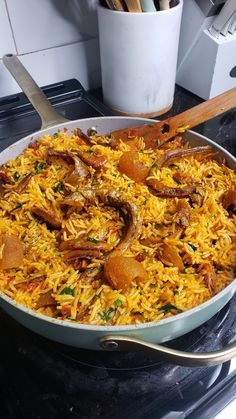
(158, 133)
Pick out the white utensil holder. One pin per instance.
(138, 60)
(206, 65)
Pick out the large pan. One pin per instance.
(141, 337)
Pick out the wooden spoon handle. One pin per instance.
(158, 133)
(203, 112)
(133, 6)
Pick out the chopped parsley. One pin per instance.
(16, 176)
(118, 303)
(56, 135)
(67, 291)
(92, 240)
(167, 307)
(16, 207)
(108, 314)
(38, 167)
(193, 247)
(59, 187)
(154, 166)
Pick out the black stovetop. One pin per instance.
(42, 379)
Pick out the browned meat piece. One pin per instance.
(5, 178)
(80, 171)
(79, 133)
(157, 188)
(48, 216)
(65, 155)
(197, 199)
(181, 177)
(182, 215)
(131, 216)
(172, 156)
(209, 273)
(45, 300)
(129, 211)
(31, 284)
(78, 199)
(84, 245)
(229, 199)
(34, 145)
(22, 185)
(83, 254)
(92, 159)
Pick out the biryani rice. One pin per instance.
(210, 236)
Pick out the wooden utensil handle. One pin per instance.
(203, 112)
(133, 6)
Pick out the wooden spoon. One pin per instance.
(133, 6)
(158, 133)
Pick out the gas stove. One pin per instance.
(46, 380)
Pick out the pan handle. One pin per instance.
(35, 95)
(162, 353)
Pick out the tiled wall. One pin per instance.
(55, 40)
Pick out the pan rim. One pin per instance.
(103, 328)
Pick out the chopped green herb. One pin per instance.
(89, 151)
(59, 187)
(38, 167)
(16, 207)
(183, 271)
(192, 246)
(118, 303)
(92, 239)
(16, 176)
(154, 166)
(100, 267)
(182, 128)
(56, 135)
(168, 307)
(67, 291)
(106, 315)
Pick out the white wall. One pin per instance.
(55, 40)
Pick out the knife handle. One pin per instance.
(222, 18)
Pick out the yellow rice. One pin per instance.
(209, 236)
